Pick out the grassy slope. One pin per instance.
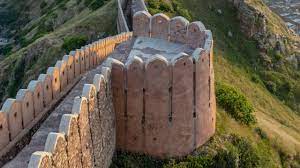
(48, 48)
(235, 59)
(236, 63)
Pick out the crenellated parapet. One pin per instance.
(177, 29)
(20, 115)
(80, 139)
(150, 92)
(164, 93)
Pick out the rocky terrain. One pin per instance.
(289, 10)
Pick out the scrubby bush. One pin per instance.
(73, 42)
(235, 103)
(261, 133)
(94, 4)
(43, 4)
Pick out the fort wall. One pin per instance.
(164, 106)
(19, 116)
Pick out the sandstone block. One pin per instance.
(56, 145)
(40, 160)
(70, 67)
(157, 106)
(89, 92)
(97, 81)
(12, 109)
(25, 97)
(69, 127)
(4, 138)
(87, 57)
(182, 130)
(47, 88)
(135, 104)
(76, 58)
(178, 29)
(62, 67)
(141, 24)
(81, 60)
(80, 108)
(36, 88)
(202, 109)
(55, 78)
(118, 89)
(196, 34)
(160, 26)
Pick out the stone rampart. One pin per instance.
(122, 24)
(165, 105)
(160, 100)
(81, 140)
(20, 116)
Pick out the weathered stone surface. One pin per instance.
(196, 34)
(4, 138)
(81, 60)
(182, 131)
(70, 67)
(98, 81)
(135, 105)
(40, 160)
(157, 106)
(47, 88)
(141, 24)
(89, 91)
(118, 89)
(93, 54)
(108, 119)
(36, 88)
(80, 107)
(25, 97)
(213, 104)
(202, 109)
(55, 78)
(75, 55)
(178, 29)
(12, 109)
(87, 57)
(160, 26)
(101, 50)
(56, 145)
(69, 127)
(62, 67)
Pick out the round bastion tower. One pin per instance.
(163, 93)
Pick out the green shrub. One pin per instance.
(154, 4)
(271, 86)
(235, 103)
(261, 133)
(73, 42)
(6, 50)
(248, 155)
(226, 159)
(165, 6)
(43, 4)
(96, 4)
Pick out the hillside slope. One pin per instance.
(46, 30)
(274, 141)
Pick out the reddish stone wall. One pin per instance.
(18, 116)
(165, 108)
